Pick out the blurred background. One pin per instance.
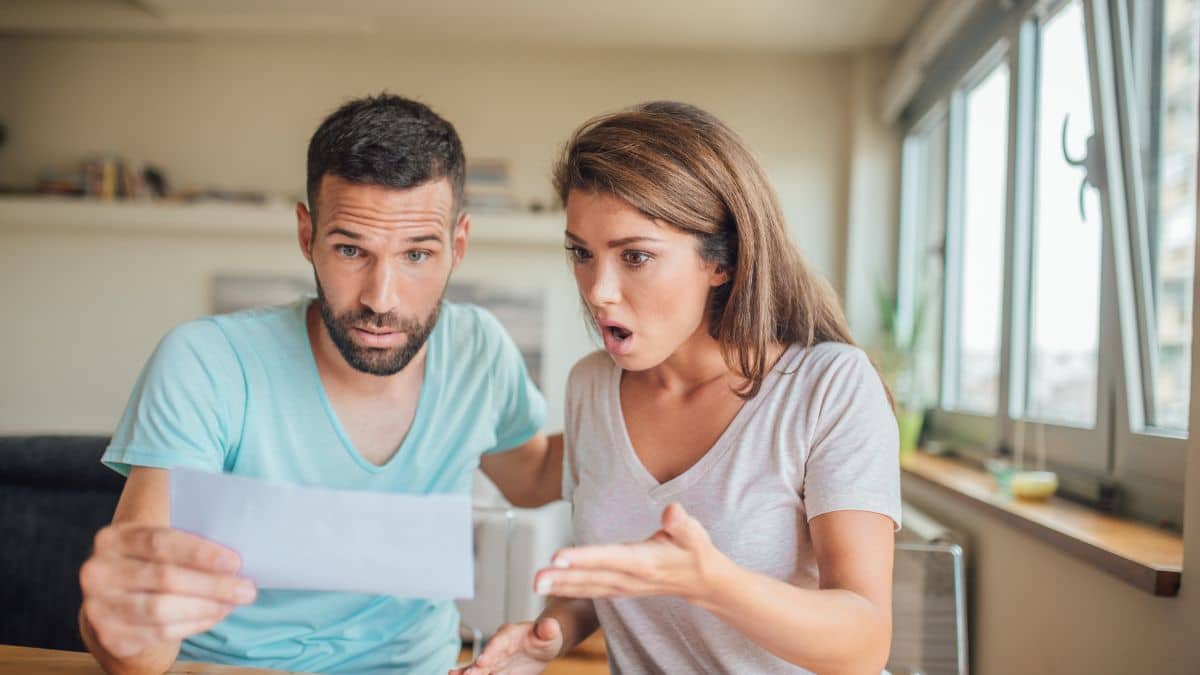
(1028, 295)
(221, 97)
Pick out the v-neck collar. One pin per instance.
(416, 428)
(713, 456)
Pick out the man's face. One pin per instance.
(382, 257)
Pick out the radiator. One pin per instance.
(929, 607)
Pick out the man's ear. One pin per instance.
(462, 233)
(305, 229)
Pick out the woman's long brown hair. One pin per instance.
(681, 165)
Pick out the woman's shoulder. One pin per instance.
(588, 390)
(823, 370)
(591, 368)
(823, 357)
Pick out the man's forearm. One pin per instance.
(544, 483)
(153, 661)
(530, 475)
(549, 485)
(576, 618)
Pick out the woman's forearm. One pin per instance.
(830, 631)
(576, 618)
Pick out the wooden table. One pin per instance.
(587, 659)
(29, 661)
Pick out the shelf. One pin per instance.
(272, 219)
(1149, 558)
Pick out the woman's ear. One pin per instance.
(719, 277)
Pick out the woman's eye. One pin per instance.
(578, 254)
(347, 251)
(636, 258)
(418, 256)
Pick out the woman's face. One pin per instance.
(643, 281)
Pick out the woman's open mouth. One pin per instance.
(618, 340)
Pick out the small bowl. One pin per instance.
(1036, 485)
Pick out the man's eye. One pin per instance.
(347, 251)
(418, 256)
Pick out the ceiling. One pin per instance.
(774, 25)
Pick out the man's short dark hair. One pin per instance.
(386, 140)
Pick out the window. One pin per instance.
(923, 238)
(973, 363)
(1170, 51)
(1064, 316)
(1068, 170)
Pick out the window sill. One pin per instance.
(1143, 556)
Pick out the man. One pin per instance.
(376, 384)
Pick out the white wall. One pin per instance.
(84, 310)
(873, 193)
(1189, 594)
(238, 114)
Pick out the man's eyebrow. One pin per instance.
(354, 235)
(344, 232)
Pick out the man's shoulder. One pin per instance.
(223, 339)
(275, 320)
(470, 330)
(201, 339)
(468, 317)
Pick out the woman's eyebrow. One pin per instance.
(624, 241)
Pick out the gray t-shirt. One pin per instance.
(818, 437)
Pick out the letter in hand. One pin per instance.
(146, 585)
(524, 648)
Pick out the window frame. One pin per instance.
(1147, 460)
(975, 429)
(915, 242)
(1079, 454)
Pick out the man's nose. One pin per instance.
(380, 293)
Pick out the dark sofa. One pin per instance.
(54, 496)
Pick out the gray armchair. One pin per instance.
(54, 496)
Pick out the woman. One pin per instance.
(731, 429)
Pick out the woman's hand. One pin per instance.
(518, 649)
(678, 560)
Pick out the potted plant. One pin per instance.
(896, 358)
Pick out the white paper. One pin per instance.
(331, 540)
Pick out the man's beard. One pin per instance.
(376, 360)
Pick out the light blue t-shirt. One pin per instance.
(240, 393)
